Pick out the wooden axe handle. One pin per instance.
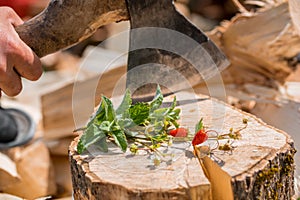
(67, 22)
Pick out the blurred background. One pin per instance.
(43, 163)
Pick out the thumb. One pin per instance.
(13, 17)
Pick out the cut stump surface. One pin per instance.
(260, 166)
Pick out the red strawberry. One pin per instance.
(199, 137)
(179, 132)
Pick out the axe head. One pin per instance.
(166, 49)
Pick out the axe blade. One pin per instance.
(166, 49)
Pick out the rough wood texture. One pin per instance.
(64, 23)
(261, 166)
(261, 46)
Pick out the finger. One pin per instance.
(13, 17)
(13, 87)
(10, 82)
(27, 63)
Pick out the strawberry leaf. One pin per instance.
(109, 109)
(199, 125)
(157, 101)
(139, 112)
(143, 120)
(102, 145)
(90, 136)
(123, 110)
(120, 139)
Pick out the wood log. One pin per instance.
(64, 23)
(260, 46)
(8, 172)
(260, 166)
(36, 175)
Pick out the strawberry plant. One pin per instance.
(141, 124)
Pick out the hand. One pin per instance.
(16, 58)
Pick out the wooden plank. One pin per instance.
(246, 172)
(57, 105)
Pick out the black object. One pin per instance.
(8, 127)
(16, 128)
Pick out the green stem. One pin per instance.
(150, 148)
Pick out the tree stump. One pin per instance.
(260, 166)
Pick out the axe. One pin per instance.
(165, 48)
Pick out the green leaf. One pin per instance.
(125, 123)
(115, 127)
(140, 120)
(159, 127)
(157, 101)
(163, 118)
(109, 109)
(139, 112)
(174, 114)
(105, 112)
(174, 122)
(98, 117)
(102, 145)
(105, 126)
(130, 133)
(90, 136)
(80, 147)
(199, 125)
(162, 112)
(159, 114)
(123, 110)
(173, 104)
(120, 139)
